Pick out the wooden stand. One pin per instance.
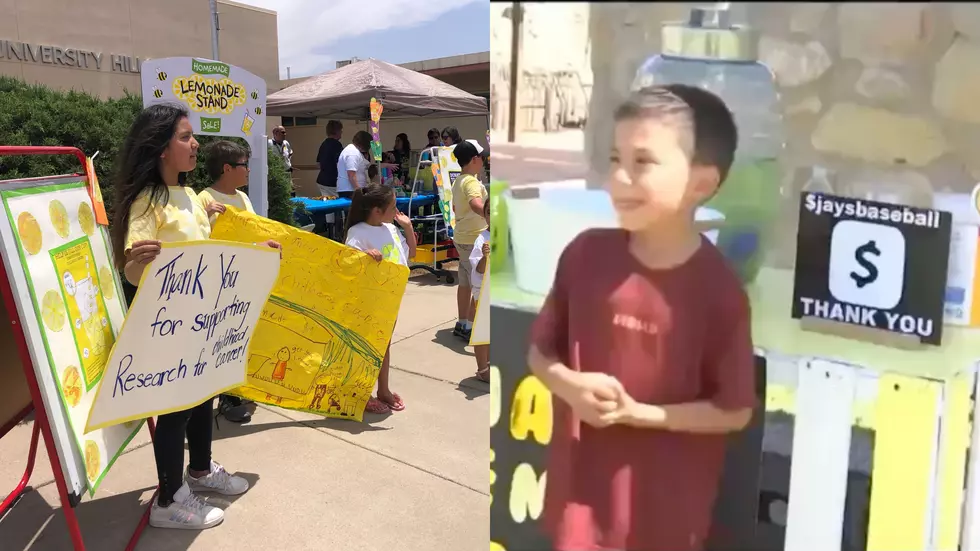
(42, 424)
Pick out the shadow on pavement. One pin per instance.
(234, 430)
(425, 279)
(446, 338)
(473, 388)
(107, 522)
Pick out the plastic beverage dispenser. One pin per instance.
(709, 52)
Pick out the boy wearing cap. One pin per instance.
(469, 195)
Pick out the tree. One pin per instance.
(40, 116)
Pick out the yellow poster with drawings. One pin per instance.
(323, 333)
(86, 312)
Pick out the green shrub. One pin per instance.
(39, 116)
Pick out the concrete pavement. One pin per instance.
(538, 157)
(412, 480)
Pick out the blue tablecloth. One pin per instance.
(318, 207)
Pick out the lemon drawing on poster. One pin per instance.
(93, 459)
(53, 311)
(59, 217)
(106, 282)
(71, 385)
(86, 218)
(30, 232)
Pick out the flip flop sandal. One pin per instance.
(377, 406)
(398, 404)
(483, 375)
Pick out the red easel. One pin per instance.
(41, 422)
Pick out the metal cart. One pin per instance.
(432, 256)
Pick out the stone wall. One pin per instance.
(884, 92)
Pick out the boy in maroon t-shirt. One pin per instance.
(645, 341)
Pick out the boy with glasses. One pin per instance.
(227, 165)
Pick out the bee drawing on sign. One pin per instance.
(161, 76)
(157, 93)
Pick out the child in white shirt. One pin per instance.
(370, 229)
(479, 258)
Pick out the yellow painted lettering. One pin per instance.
(526, 493)
(493, 476)
(495, 397)
(531, 411)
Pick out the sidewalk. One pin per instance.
(563, 140)
(414, 480)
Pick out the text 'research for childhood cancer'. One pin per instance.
(187, 334)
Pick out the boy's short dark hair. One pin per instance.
(372, 171)
(698, 113)
(465, 152)
(221, 153)
(333, 127)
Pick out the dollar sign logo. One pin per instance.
(860, 255)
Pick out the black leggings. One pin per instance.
(168, 447)
(345, 194)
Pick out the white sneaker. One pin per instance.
(218, 480)
(187, 512)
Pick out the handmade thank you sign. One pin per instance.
(872, 264)
(187, 335)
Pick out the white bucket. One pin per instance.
(544, 219)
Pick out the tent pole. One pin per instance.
(516, 17)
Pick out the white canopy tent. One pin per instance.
(346, 93)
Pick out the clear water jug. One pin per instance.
(709, 52)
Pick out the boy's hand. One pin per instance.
(486, 249)
(403, 220)
(375, 254)
(596, 395)
(624, 413)
(143, 252)
(214, 207)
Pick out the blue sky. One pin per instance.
(398, 31)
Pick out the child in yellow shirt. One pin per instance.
(153, 206)
(227, 165)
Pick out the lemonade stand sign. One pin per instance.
(223, 100)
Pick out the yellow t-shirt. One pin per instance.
(182, 219)
(468, 223)
(239, 200)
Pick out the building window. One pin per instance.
(287, 121)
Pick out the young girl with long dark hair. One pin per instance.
(153, 206)
(371, 229)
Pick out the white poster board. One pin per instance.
(444, 172)
(70, 302)
(188, 332)
(481, 320)
(224, 100)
